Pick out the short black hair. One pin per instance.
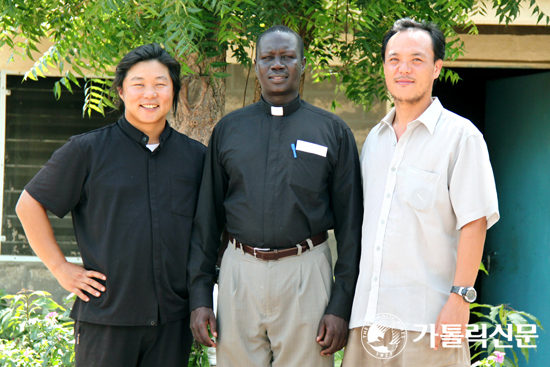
(438, 38)
(149, 52)
(282, 29)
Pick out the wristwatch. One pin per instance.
(468, 293)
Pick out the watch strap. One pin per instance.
(458, 290)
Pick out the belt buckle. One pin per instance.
(259, 249)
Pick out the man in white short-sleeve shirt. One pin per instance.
(430, 197)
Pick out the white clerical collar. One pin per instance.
(276, 111)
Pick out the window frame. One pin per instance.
(4, 93)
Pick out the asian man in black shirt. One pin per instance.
(131, 188)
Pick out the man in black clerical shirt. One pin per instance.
(278, 174)
(132, 189)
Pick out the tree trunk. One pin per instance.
(257, 89)
(202, 99)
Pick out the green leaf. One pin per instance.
(516, 318)
(107, 102)
(221, 75)
(476, 305)
(218, 64)
(66, 83)
(532, 318)
(481, 266)
(33, 75)
(77, 69)
(72, 78)
(501, 315)
(95, 108)
(493, 313)
(151, 10)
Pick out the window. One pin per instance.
(36, 124)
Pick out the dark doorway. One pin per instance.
(467, 96)
(511, 107)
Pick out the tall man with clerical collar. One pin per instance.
(431, 197)
(279, 174)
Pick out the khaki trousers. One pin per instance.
(269, 311)
(415, 354)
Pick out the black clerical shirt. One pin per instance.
(276, 181)
(132, 211)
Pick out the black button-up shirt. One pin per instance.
(276, 181)
(132, 212)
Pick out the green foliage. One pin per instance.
(342, 37)
(483, 269)
(338, 358)
(90, 36)
(494, 360)
(366, 23)
(503, 316)
(198, 356)
(3, 302)
(35, 331)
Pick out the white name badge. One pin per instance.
(305, 146)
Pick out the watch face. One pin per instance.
(470, 295)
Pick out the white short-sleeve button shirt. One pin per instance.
(418, 193)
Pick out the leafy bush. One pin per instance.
(504, 317)
(35, 331)
(3, 302)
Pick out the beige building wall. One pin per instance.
(17, 64)
(505, 51)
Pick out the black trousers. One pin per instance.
(166, 345)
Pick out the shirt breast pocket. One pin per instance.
(420, 188)
(184, 194)
(308, 171)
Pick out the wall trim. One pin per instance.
(3, 94)
(33, 259)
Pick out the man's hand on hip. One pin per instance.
(200, 319)
(455, 312)
(76, 279)
(332, 335)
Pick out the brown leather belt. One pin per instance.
(275, 254)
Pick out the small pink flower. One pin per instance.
(51, 315)
(499, 357)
